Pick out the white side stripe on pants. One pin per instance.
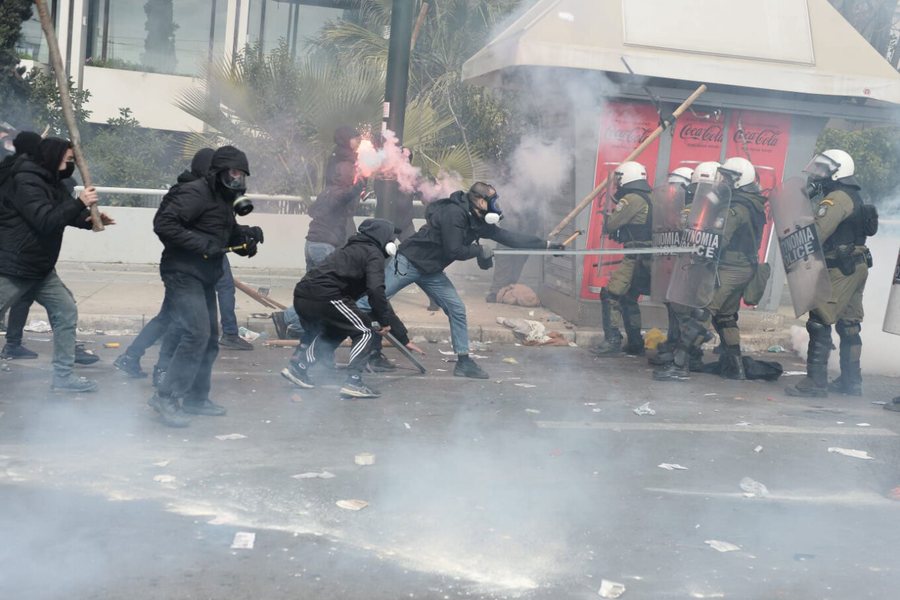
(356, 322)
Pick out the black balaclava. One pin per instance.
(50, 153)
(27, 142)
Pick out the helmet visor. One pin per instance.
(821, 167)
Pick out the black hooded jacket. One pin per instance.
(195, 221)
(332, 212)
(35, 209)
(450, 233)
(355, 270)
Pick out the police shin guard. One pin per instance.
(612, 337)
(850, 380)
(815, 384)
(678, 370)
(730, 360)
(631, 314)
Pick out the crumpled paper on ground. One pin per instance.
(38, 327)
(611, 589)
(533, 333)
(722, 546)
(851, 453)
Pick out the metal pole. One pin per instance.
(396, 89)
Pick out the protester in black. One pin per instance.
(35, 209)
(326, 297)
(196, 224)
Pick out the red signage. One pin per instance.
(623, 126)
(696, 139)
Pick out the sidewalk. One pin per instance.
(122, 298)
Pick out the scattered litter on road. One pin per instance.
(789, 373)
(863, 424)
(758, 449)
(111, 345)
(533, 411)
(243, 540)
(407, 425)
(590, 404)
(851, 453)
(743, 424)
(510, 360)
(4, 367)
(441, 370)
(672, 467)
(162, 463)
(479, 356)
(352, 504)
(296, 398)
(839, 422)
(447, 352)
(525, 385)
(248, 334)
(164, 479)
(419, 339)
(611, 589)
(722, 546)
(754, 488)
(314, 475)
(711, 394)
(596, 410)
(644, 409)
(879, 402)
(777, 349)
(803, 557)
(364, 459)
(231, 436)
(709, 595)
(38, 327)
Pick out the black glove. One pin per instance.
(485, 257)
(255, 233)
(250, 250)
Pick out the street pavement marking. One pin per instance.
(716, 428)
(844, 499)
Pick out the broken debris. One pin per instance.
(672, 467)
(231, 436)
(611, 589)
(851, 453)
(364, 459)
(352, 504)
(644, 409)
(722, 546)
(243, 540)
(315, 475)
(754, 488)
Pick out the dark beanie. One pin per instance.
(27, 142)
(50, 153)
(229, 157)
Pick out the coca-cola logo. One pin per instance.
(701, 133)
(759, 137)
(635, 135)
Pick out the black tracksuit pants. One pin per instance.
(332, 321)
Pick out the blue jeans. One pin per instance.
(225, 292)
(438, 287)
(51, 293)
(316, 253)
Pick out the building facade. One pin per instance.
(143, 54)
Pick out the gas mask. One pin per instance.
(391, 247)
(242, 206)
(234, 180)
(494, 213)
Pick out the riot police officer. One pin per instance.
(843, 222)
(629, 223)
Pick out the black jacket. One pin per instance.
(450, 233)
(355, 270)
(35, 209)
(195, 222)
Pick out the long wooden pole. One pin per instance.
(62, 81)
(634, 154)
(265, 301)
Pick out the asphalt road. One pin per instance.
(538, 483)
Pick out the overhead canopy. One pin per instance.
(794, 46)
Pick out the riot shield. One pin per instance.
(667, 201)
(801, 249)
(892, 315)
(607, 264)
(693, 281)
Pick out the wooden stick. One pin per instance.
(572, 237)
(62, 81)
(418, 26)
(634, 154)
(267, 302)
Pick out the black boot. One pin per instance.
(676, 371)
(732, 363)
(16, 351)
(815, 384)
(466, 367)
(665, 354)
(169, 410)
(850, 381)
(130, 365)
